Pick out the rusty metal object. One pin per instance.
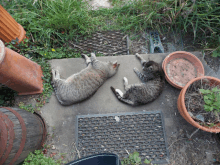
(19, 73)
(10, 29)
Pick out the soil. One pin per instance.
(181, 71)
(195, 103)
(137, 43)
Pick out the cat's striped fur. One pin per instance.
(84, 84)
(151, 87)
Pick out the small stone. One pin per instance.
(53, 147)
(200, 117)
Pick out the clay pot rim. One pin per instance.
(2, 53)
(164, 64)
(182, 100)
(22, 34)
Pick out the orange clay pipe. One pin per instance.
(9, 28)
(19, 73)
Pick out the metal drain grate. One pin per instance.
(115, 133)
(108, 43)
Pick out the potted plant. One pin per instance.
(199, 103)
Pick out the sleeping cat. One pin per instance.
(84, 84)
(152, 85)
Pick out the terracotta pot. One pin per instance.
(10, 29)
(180, 67)
(19, 73)
(182, 108)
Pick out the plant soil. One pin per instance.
(181, 71)
(194, 103)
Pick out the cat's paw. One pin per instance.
(125, 80)
(57, 74)
(135, 70)
(83, 55)
(53, 73)
(138, 56)
(119, 92)
(93, 55)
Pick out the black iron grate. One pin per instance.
(121, 133)
(108, 43)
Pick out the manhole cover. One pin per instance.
(108, 43)
(122, 133)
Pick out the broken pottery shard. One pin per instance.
(200, 117)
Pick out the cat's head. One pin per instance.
(151, 66)
(112, 68)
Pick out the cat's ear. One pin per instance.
(115, 64)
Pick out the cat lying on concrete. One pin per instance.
(151, 87)
(84, 84)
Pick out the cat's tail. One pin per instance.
(121, 98)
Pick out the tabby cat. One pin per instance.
(84, 84)
(151, 87)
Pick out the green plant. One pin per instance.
(211, 99)
(216, 52)
(134, 159)
(28, 108)
(38, 158)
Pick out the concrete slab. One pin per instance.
(61, 119)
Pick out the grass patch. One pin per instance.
(53, 23)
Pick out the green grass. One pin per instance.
(50, 24)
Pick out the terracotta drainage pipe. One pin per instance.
(19, 73)
(9, 28)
